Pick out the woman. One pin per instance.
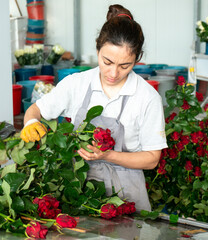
(132, 109)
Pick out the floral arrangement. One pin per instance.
(33, 55)
(55, 54)
(202, 30)
(180, 182)
(46, 187)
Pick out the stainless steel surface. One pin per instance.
(117, 228)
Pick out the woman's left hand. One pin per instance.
(96, 153)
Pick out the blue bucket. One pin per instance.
(62, 73)
(26, 103)
(157, 66)
(47, 70)
(23, 74)
(27, 88)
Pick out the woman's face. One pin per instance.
(115, 63)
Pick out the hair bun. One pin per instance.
(117, 10)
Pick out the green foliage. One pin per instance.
(179, 183)
(50, 166)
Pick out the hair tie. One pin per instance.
(123, 14)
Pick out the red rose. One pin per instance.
(162, 163)
(181, 80)
(185, 139)
(120, 210)
(164, 153)
(197, 136)
(161, 170)
(36, 230)
(147, 185)
(129, 207)
(175, 136)
(180, 146)
(103, 139)
(200, 151)
(188, 166)
(185, 105)
(172, 153)
(201, 124)
(197, 172)
(68, 119)
(199, 96)
(47, 207)
(108, 211)
(66, 221)
(171, 117)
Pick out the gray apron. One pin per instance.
(130, 183)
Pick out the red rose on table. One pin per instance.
(108, 211)
(103, 139)
(36, 230)
(47, 207)
(129, 207)
(66, 221)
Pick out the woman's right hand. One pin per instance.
(33, 132)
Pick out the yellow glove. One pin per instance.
(33, 132)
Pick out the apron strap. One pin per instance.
(86, 101)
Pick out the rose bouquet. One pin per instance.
(47, 183)
(27, 56)
(180, 182)
(55, 54)
(202, 30)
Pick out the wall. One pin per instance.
(167, 25)
(6, 113)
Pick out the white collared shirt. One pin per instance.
(142, 116)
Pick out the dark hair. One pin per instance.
(121, 29)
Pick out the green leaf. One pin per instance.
(18, 155)
(199, 205)
(8, 169)
(144, 214)
(34, 157)
(59, 140)
(173, 218)
(90, 185)
(18, 204)
(115, 200)
(78, 164)
(65, 128)
(84, 137)
(29, 206)
(6, 188)
(2, 145)
(52, 124)
(12, 143)
(81, 127)
(2, 125)
(71, 193)
(15, 180)
(30, 179)
(67, 174)
(93, 112)
(29, 145)
(197, 184)
(95, 203)
(84, 146)
(100, 188)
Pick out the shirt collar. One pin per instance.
(128, 88)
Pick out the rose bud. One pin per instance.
(36, 230)
(108, 211)
(65, 221)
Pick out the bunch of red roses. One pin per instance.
(109, 210)
(179, 183)
(48, 209)
(103, 138)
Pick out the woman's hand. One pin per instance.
(96, 153)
